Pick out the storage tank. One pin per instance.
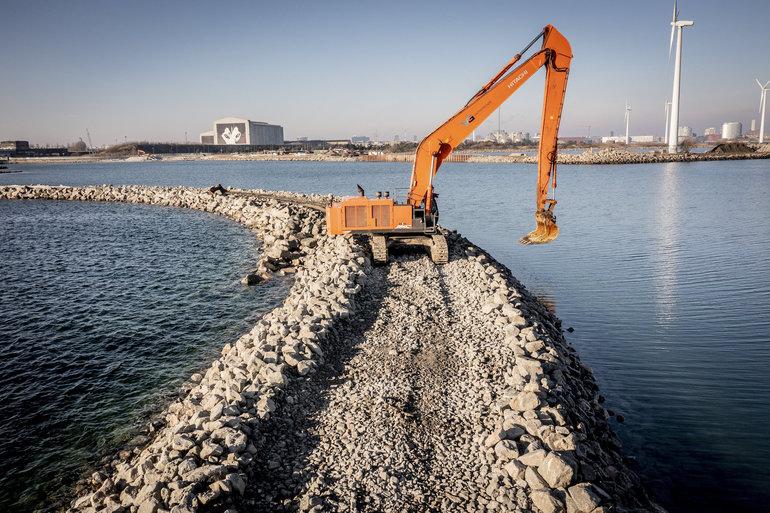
(731, 130)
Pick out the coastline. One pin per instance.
(542, 438)
(589, 157)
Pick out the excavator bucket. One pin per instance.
(545, 230)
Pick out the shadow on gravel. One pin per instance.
(280, 471)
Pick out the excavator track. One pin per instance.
(439, 252)
(379, 246)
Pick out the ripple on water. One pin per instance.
(105, 309)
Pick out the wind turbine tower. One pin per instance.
(673, 127)
(628, 122)
(668, 108)
(762, 105)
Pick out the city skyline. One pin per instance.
(156, 72)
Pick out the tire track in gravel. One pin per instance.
(389, 422)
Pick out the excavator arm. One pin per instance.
(555, 55)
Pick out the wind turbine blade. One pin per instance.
(758, 83)
(671, 40)
(671, 43)
(767, 84)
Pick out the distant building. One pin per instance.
(732, 130)
(519, 137)
(243, 132)
(360, 140)
(338, 142)
(23, 149)
(634, 139)
(753, 125)
(503, 137)
(684, 133)
(711, 134)
(499, 136)
(14, 145)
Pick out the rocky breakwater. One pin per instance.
(621, 156)
(406, 387)
(451, 389)
(547, 431)
(195, 454)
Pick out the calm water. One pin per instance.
(663, 271)
(104, 310)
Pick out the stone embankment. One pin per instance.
(619, 156)
(408, 387)
(602, 156)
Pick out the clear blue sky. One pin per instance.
(153, 70)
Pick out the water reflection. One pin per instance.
(548, 301)
(665, 257)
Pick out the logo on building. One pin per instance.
(231, 136)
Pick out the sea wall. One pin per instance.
(620, 156)
(200, 450)
(539, 434)
(591, 157)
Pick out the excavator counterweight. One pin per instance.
(415, 221)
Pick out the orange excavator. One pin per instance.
(415, 221)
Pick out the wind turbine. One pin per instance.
(673, 127)
(628, 121)
(668, 107)
(762, 105)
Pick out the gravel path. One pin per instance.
(397, 418)
(390, 423)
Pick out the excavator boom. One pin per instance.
(555, 55)
(415, 220)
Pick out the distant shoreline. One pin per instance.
(589, 157)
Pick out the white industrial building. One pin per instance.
(634, 139)
(732, 130)
(243, 132)
(503, 137)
